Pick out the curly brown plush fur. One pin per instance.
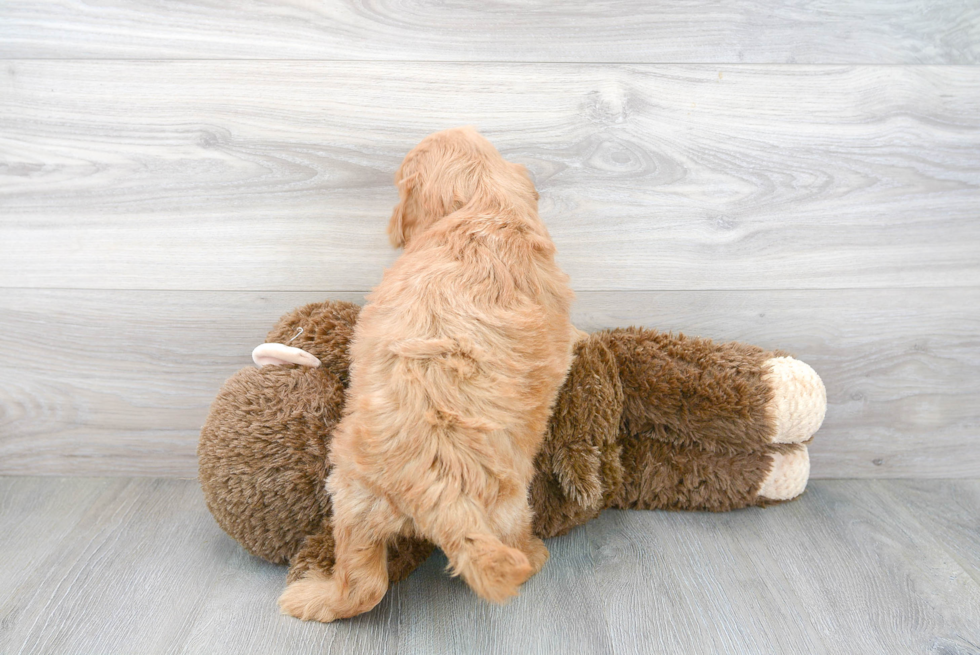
(263, 459)
(645, 420)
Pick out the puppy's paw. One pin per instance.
(310, 599)
(506, 571)
(537, 554)
(799, 399)
(496, 571)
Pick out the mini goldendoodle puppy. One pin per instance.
(457, 359)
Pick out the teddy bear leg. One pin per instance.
(799, 399)
(659, 475)
(787, 476)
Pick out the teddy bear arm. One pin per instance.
(578, 469)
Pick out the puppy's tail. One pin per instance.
(494, 571)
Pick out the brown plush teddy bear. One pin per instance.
(645, 420)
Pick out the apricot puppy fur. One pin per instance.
(456, 362)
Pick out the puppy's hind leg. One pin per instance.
(363, 524)
(492, 569)
(511, 519)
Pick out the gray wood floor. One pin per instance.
(138, 566)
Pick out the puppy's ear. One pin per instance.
(401, 222)
(396, 226)
(527, 173)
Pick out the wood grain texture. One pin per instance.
(119, 382)
(843, 570)
(36, 515)
(948, 511)
(278, 175)
(143, 568)
(126, 578)
(892, 32)
(559, 611)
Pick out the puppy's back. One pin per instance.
(468, 334)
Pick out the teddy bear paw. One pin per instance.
(799, 400)
(788, 476)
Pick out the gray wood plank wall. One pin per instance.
(755, 31)
(787, 176)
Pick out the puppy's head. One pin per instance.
(449, 170)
